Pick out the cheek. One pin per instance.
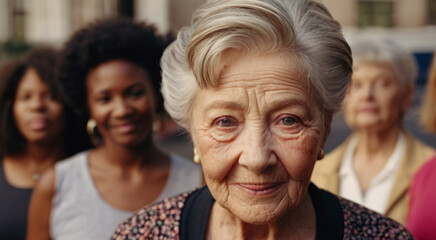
(57, 111)
(18, 113)
(146, 106)
(217, 160)
(299, 156)
(391, 102)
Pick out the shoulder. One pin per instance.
(426, 173)
(429, 166)
(45, 185)
(70, 171)
(332, 161)
(185, 175)
(158, 220)
(73, 160)
(325, 173)
(360, 221)
(183, 163)
(418, 147)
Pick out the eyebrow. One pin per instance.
(223, 104)
(290, 102)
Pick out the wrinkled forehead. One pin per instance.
(267, 66)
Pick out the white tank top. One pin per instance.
(79, 212)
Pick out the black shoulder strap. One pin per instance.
(195, 214)
(328, 212)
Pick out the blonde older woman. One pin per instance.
(375, 165)
(256, 82)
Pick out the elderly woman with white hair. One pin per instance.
(375, 165)
(255, 83)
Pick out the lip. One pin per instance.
(259, 189)
(368, 109)
(38, 124)
(126, 127)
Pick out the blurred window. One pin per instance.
(432, 12)
(17, 17)
(375, 13)
(125, 8)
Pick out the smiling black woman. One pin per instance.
(110, 73)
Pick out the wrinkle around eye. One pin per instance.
(288, 131)
(225, 122)
(222, 133)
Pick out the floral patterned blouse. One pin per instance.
(186, 216)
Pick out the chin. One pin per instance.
(260, 214)
(132, 141)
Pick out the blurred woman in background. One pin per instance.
(36, 131)
(110, 72)
(421, 220)
(375, 165)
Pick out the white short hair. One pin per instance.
(386, 51)
(303, 28)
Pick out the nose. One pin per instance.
(122, 108)
(369, 90)
(38, 103)
(256, 154)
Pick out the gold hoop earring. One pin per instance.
(196, 158)
(321, 154)
(156, 126)
(91, 129)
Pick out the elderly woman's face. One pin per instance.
(258, 134)
(375, 99)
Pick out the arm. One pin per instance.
(38, 222)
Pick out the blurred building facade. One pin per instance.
(410, 22)
(52, 21)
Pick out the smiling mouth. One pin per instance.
(368, 109)
(259, 189)
(38, 124)
(126, 127)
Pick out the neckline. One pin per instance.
(93, 187)
(328, 214)
(4, 180)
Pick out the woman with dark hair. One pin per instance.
(110, 72)
(35, 133)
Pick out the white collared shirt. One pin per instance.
(377, 194)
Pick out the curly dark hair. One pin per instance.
(43, 60)
(105, 40)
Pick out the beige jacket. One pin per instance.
(326, 174)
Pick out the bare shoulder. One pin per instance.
(46, 183)
(38, 226)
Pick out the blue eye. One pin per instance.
(288, 121)
(225, 122)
